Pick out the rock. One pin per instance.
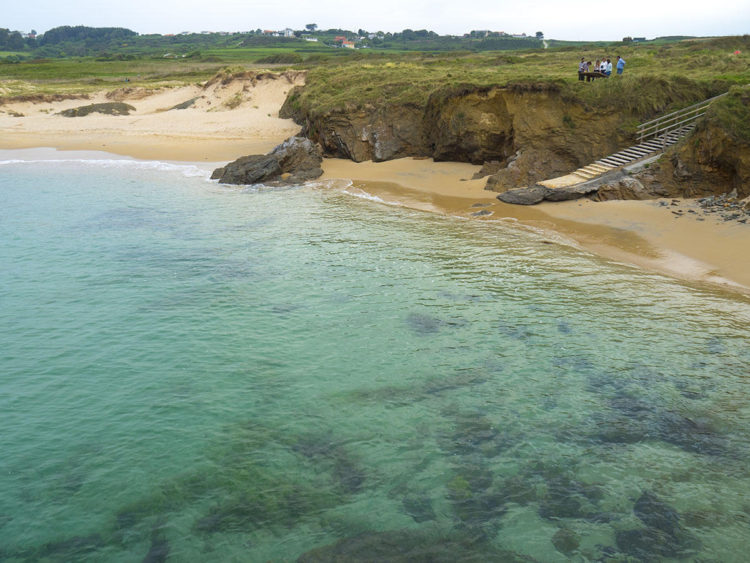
(251, 169)
(408, 546)
(524, 196)
(159, 550)
(531, 165)
(657, 514)
(299, 157)
(624, 188)
(488, 169)
(108, 108)
(566, 541)
(570, 192)
(294, 161)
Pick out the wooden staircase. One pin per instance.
(653, 138)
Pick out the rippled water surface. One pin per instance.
(197, 373)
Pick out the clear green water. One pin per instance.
(199, 373)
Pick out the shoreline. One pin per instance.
(692, 246)
(647, 234)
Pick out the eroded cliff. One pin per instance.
(524, 133)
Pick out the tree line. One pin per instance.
(66, 41)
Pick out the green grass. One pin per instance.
(659, 75)
(732, 113)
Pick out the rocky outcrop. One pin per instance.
(536, 194)
(709, 162)
(628, 187)
(524, 134)
(531, 132)
(469, 124)
(294, 161)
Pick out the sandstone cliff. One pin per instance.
(526, 133)
(531, 132)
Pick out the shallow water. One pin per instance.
(196, 372)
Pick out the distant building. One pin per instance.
(288, 32)
(312, 39)
(347, 44)
(638, 39)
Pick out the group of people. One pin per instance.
(602, 67)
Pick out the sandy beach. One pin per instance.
(226, 121)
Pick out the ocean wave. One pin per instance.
(362, 194)
(187, 170)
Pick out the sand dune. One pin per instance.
(224, 121)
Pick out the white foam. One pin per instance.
(362, 194)
(187, 170)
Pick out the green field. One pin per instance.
(684, 69)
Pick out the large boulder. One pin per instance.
(294, 161)
(524, 196)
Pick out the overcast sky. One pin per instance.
(557, 19)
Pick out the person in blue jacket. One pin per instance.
(620, 64)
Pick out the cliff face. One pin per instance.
(714, 159)
(533, 134)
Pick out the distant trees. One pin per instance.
(539, 35)
(311, 26)
(11, 40)
(67, 33)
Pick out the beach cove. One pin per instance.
(690, 245)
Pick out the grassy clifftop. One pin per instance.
(732, 113)
(655, 78)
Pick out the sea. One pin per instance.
(198, 372)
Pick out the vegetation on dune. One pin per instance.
(732, 113)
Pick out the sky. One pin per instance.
(558, 19)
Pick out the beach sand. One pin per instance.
(696, 247)
(224, 122)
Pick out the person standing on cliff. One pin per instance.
(581, 68)
(620, 64)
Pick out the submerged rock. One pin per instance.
(294, 161)
(423, 324)
(566, 541)
(655, 513)
(408, 546)
(419, 508)
(159, 550)
(664, 535)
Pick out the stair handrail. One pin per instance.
(657, 127)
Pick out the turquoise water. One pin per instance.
(193, 372)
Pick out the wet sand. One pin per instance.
(647, 234)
